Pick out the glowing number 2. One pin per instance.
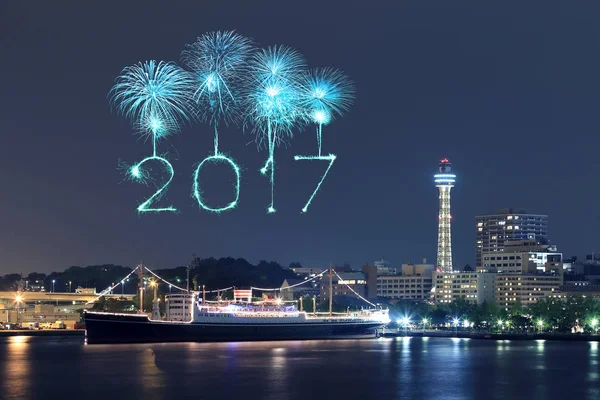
(331, 158)
(137, 173)
(219, 158)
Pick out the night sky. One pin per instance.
(508, 91)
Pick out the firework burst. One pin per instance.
(325, 94)
(218, 61)
(154, 95)
(274, 107)
(154, 126)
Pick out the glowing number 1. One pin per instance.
(331, 158)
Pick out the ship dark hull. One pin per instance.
(119, 328)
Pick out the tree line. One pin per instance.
(571, 314)
(211, 272)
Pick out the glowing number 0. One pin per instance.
(219, 158)
(138, 174)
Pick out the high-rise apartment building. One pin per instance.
(508, 224)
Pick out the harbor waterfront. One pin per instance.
(385, 333)
(571, 337)
(411, 368)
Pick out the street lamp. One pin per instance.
(500, 322)
(154, 285)
(595, 325)
(540, 324)
(70, 286)
(424, 322)
(405, 322)
(456, 321)
(53, 282)
(18, 300)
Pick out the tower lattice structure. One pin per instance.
(444, 180)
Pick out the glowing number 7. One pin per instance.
(331, 158)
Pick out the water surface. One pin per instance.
(403, 368)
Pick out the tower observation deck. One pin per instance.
(444, 180)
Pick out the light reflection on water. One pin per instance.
(593, 376)
(278, 379)
(406, 368)
(17, 367)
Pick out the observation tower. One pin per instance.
(444, 180)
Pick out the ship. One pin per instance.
(190, 318)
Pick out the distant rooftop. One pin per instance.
(513, 210)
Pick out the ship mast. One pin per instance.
(141, 286)
(330, 290)
(188, 279)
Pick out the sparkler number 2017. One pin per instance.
(227, 80)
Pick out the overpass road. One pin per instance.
(33, 297)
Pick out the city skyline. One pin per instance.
(505, 95)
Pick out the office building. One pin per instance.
(474, 287)
(308, 271)
(523, 256)
(580, 288)
(414, 283)
(398, 287)
(492, 231)
(384, 268)
(526, 288)
(344, 285)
